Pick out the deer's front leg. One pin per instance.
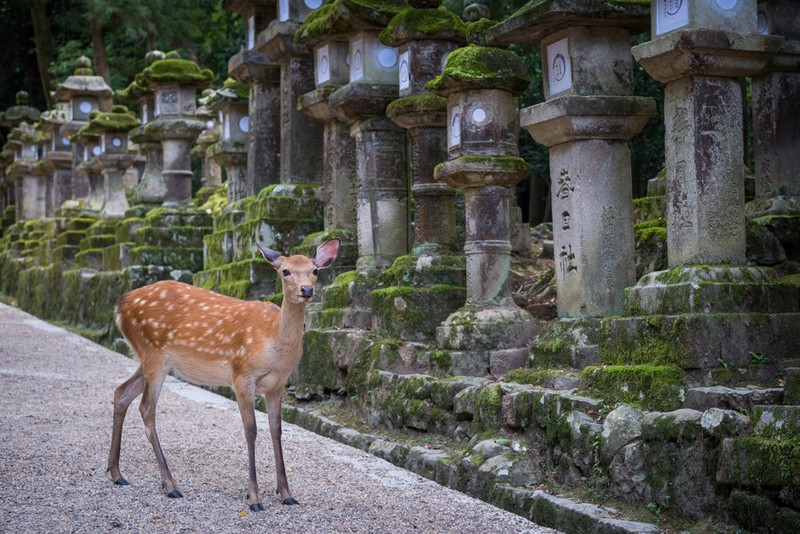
(244, 397)
(274, 412)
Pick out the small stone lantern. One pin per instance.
(175, 82)
(85, 93)
(211, 175)
(30, 191)
(88, 168)
(480, 84)
(114, 158)
(231, 150)
(20, 118)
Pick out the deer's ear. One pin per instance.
(272, 256)
(326, 253)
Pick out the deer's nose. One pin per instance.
(306, 292)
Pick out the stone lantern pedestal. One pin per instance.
(58, 158)
(231, 150)
(252, 68)
(90, 171)
(490, 334)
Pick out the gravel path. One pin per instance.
(55, 426)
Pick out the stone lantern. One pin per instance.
(175, 82)
(230, 151)
(301, 136)
(30, 190)
(382, 194)
(211, 174)
(88, 168)
(20, 119)
(490, 333)
(114, 158)
(776, 97)
(58, 157)
(252, 68)
(331, 72)
(587, 118)
(151, 188)
(85, 93)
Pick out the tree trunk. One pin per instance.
(98, 45)
(43, 40)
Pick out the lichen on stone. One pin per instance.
(480, 67)
(414, 24)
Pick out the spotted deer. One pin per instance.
(210, 339)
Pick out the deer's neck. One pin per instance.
(290, 328)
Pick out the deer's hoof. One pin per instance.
(290, 501)
(175, 494)
(121, 482)
(257, 507)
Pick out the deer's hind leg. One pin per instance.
(124, 394)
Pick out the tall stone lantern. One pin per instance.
(382, 194)
(18, 155)
(776, 98)
(88, 168)
(57, 159)
(252, 68)
(85, 93)
(490, 333)
(211, 174)
(331, 71)
(230, 152)
(175, 82)
(301, 136)
(114, 158)
(151, 186)
(588, 116)
(30, 191)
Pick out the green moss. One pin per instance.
(412, 23)
(658, 387)
(423, 103)
(767, 462)
(441, 360)
(533, 377)
(175, 70)
(119, 119)
(489, 404)
(240, 90)
(477, 67)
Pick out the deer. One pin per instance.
(209, 339)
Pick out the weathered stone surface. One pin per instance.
(490, 448)
(739, 399)
(724, 423)
(776, 420)
(518, 470)
(621, 426)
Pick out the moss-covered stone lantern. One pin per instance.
(252, 68)
(480, 83)
(88, 169)
(175, 82)
(24, 171)
(230, 152)
(151, 186)
(85, 93)
(20, 152)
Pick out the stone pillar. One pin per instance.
(175, 82)
(776, 98)
(252, 68)
(490, 333)
(700, 50)
(89, 170)
(85, 93)
(114, 158)
(231, 150)
(587, 118)
(30, 187)
(301, 136)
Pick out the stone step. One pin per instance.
(176, 236)
(413, 313)
(773, 420)
(696, 341)
(711, 290)
(739, 399)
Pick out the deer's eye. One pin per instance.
(286, 272)
(316, 272)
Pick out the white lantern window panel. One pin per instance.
(244, 124)
(671, 15)
(323, 64)
(387, 57)
(762, 22)
(727, 4)
(559, 70)
(283, 10)
(479, 115)
(226, 127)
(96, 150)
(404, 72)
(65, 141)
(454, 127)
(85, 107)
(357, 65)
(312, 4)
(251, 32)
(209, 124)
(116, 142)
